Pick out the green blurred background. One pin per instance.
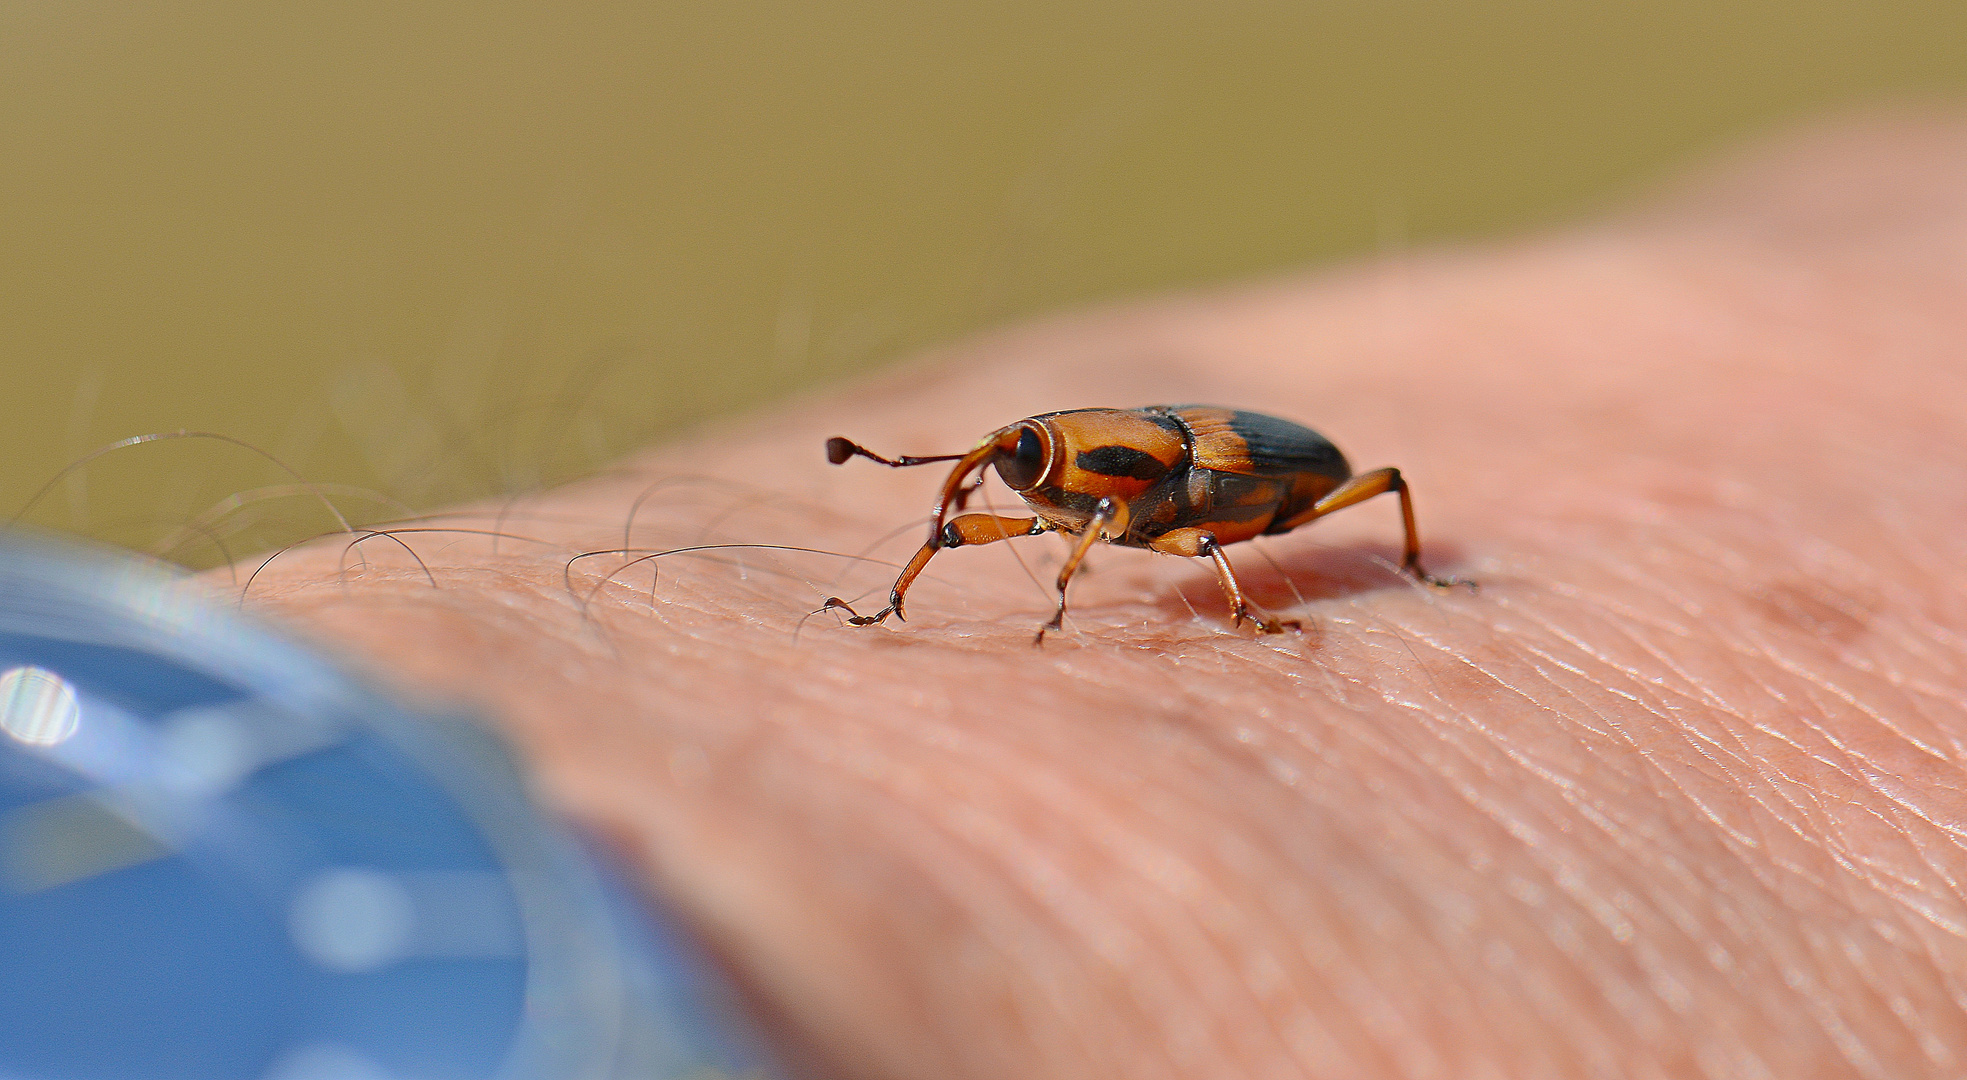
(449, 249)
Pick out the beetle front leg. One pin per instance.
(922, 556)
(1195, 543)
(1110, 516)
(968, 530)
(839, 450)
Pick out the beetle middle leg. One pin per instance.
(1195, 543)
(1110, 516)
(1358, 490)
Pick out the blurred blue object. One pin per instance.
(222, 859)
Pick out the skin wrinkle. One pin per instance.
(1601, 911)
(1627, 738)
(1746, 762)
(1931, 855)
(1062, 809)
(1863, 668)
(1844, 770)
(980, 884)
(1751, 651)
(1308, 1063)
(1930, 775)
(1218, 984)
(1692, 688)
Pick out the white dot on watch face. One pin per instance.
(203, 753)
(37, 706)
(324, 1061)
(352, 919)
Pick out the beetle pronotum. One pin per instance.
(1178, 479)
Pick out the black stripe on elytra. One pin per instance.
(1278, 447)
(1121, 461)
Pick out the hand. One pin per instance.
(1677, 793)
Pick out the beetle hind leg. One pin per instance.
(1363, 487)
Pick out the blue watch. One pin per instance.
(221, 858)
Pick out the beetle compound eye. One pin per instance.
(1022, 467)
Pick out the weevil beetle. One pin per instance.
(1178, 479)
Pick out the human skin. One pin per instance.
(1678, 792)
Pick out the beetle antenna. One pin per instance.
(838, 450)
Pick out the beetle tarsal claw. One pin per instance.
(1264, 621)
(1057, 623)
(834, 603)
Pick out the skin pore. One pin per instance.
(1679, 792)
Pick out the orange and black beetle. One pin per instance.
(1179, 479)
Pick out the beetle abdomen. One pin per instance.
(1229, 506)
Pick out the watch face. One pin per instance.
(222, 860)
